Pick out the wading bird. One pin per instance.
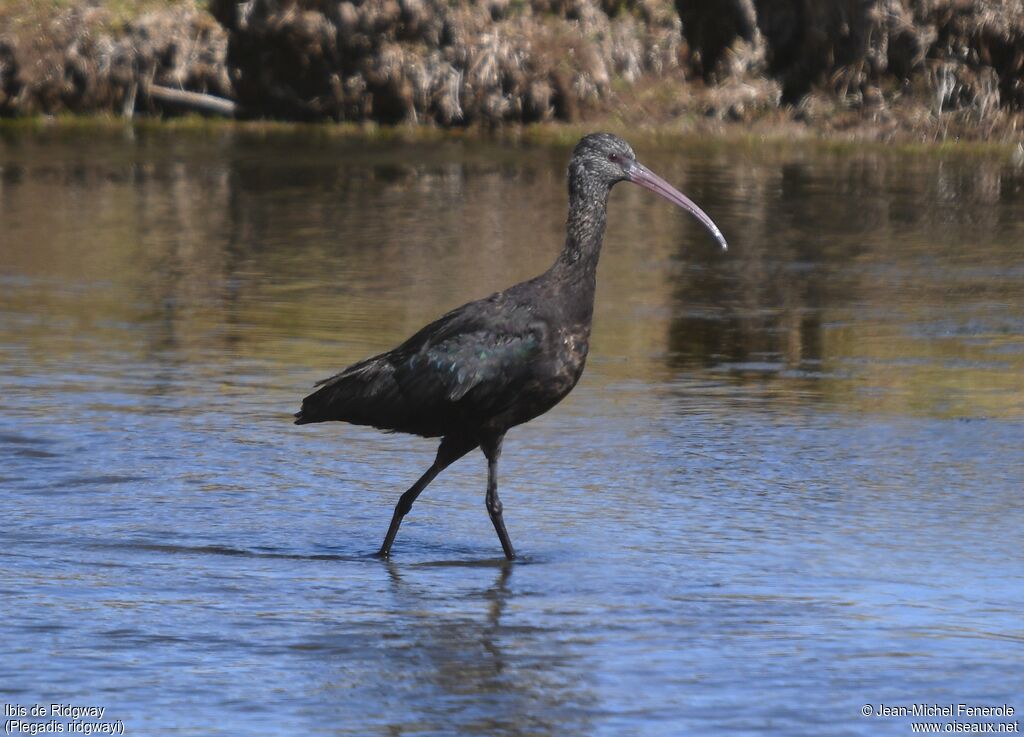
(497, 362)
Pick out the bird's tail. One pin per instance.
(363, 394)
(324, 404)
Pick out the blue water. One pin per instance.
(789, 484)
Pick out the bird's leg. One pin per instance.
(403, 507)
(492, 449)
(450, 451)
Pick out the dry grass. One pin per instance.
(65, 55)
(881, 69)
(449, 63)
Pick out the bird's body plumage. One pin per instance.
(497, 362)
(477, 371)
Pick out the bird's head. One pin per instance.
(607, 159)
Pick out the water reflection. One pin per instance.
(790, 474)
(852, 277)
(857, 282)
(447, 658)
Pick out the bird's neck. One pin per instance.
(573, 276)
(588, 210)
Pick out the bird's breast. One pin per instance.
(573, 344)
(552, 377)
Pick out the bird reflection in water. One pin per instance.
(480, 672)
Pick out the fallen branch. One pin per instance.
(193, 100)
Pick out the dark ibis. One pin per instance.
(501, 361)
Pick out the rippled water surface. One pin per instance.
(788, 485)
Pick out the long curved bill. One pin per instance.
(640, 174)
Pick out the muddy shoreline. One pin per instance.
(887, 70)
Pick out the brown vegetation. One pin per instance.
(874, 57)
(452, 63)
(950, 67)
(81, 58)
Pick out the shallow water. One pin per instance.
(788, 485)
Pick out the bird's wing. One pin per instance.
(466, 366)
(481, 355)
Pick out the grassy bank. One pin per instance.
(777, 138)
